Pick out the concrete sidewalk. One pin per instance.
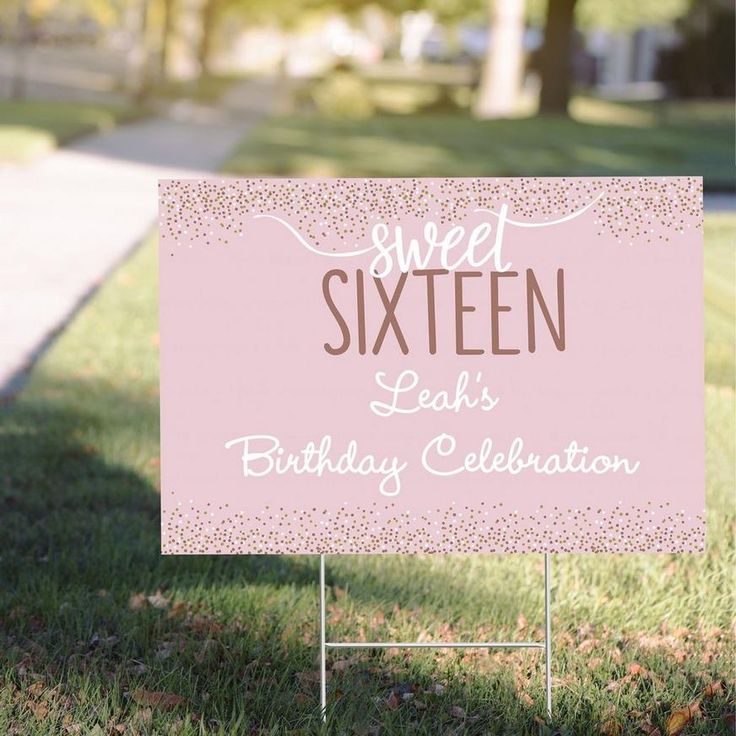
(68, 219)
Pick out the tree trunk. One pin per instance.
(556, 57)
(502, 68)
(20, 41)
(166, 28)
(208, 22)
(137, 59)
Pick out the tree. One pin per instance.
(563, 16)
(20, 41)
(555, 59)
(208, 22)
(503, 65)
(137, 71)
(167, 25)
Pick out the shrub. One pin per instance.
(343, 94)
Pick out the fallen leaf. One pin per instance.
(715, 688)
(612, 728)
(393, 701)
(307, 678)
(178, 609)
(526, 698)
(40, 710)
(158, 600)
(137, 601)
(36, 689)
(678, 719)
(165, 650)
(144, 716)
(587, 646)
(340, 665)
(157, 699)
(637, 670)
(302, 699)
(457, 712)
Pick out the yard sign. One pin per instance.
(432, 365)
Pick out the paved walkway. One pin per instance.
(68, 219)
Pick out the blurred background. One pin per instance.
(626, 67)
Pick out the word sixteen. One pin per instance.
(353, 326)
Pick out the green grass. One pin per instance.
(29, 129)
(237, 637)
(207, 89)
(604, 138)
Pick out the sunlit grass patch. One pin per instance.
(30, 128)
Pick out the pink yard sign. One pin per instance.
(432, 365)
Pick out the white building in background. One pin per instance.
(626, 63)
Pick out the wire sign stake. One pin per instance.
(324, 645)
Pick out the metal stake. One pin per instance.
(322, 644)
(546, 645)
(548, 632)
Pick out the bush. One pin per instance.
(343, 94)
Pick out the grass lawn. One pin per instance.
(29, 128)
(603, 138)
(101, 635)
(207, 89)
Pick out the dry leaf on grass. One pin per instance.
(137, 601)
(457, 712)
(679, 718)
(306, 679)
(40, 710)
(393, 701)
(36, 689)
(436, 689)
(178, 609)
(157, 699)
(612, 728)
(158, 600)
(715, 688)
